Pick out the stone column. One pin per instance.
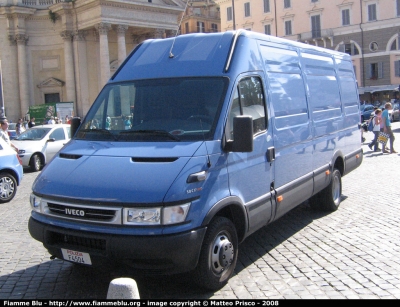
(23, 73)
(121, 30)
(103, 29)
(69, 66)
(81, 74)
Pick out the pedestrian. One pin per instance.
(19, 126)
(52, 121)
(377, 129)
(127, 123)
(4, 133)
(387, 128)
(31, 122)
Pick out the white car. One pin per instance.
(39, 144)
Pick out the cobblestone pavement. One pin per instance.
(352, 253)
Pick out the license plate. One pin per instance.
(75, 256)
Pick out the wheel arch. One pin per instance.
(338, 162)
(41, 156)
(12, 173)
(233, 209)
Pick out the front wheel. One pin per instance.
(35, 163)
(218, 254)
(8, 187)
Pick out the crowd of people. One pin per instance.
(381, 123)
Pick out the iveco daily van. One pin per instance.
(195, 143)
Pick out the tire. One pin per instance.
(8, 187)
(218, 255)
(35, 163)
(329, 198)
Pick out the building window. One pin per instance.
(349, 48)
(247, 9)
(214, 27)
(229, 13)
(345, 17)
(397, 7)
(267, 29)
(316, 26)
(374, 46)
(267, 8)
(395, 44)
(51, 97)
(186, 27)
(200, 27)
(286, 4)
(288, 27)
(371, 12)
(312, 1)
(375, 71)
(397, 68)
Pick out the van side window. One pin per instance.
(248, 99)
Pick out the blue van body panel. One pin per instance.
(307, 127)
(152, 59)
(138, 182)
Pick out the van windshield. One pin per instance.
(165, 110)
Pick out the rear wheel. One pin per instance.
(8, 187)
(35, 163)
(329, 198)
(218, 255)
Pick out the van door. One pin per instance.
(291, 124)
(250, 174)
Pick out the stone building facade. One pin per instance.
(366, 29)
(65, 50)
(201, 16)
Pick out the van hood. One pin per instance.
(115, 172)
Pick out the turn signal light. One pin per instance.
(279, 198)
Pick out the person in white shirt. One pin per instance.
(4, 133)
(52, 121)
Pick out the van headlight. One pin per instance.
(156, 216)
(35, 202)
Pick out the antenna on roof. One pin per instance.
(171, 55)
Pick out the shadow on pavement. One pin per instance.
(56, 279)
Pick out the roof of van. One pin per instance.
(198, 54)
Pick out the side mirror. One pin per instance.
(51, 140)
(242, 135)
(75, 123)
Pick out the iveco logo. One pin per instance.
(74, 212)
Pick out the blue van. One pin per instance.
(195, 143)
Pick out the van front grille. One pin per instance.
(84, 213)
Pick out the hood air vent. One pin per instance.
(154, 160)
(72, 157)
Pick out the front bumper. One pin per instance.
(159, 254)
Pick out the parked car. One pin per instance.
(366, 111)
(12, 130)
(11, 172)
(395, 116)
(39, 144)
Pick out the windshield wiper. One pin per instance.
(98, 131)
(152, 132)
